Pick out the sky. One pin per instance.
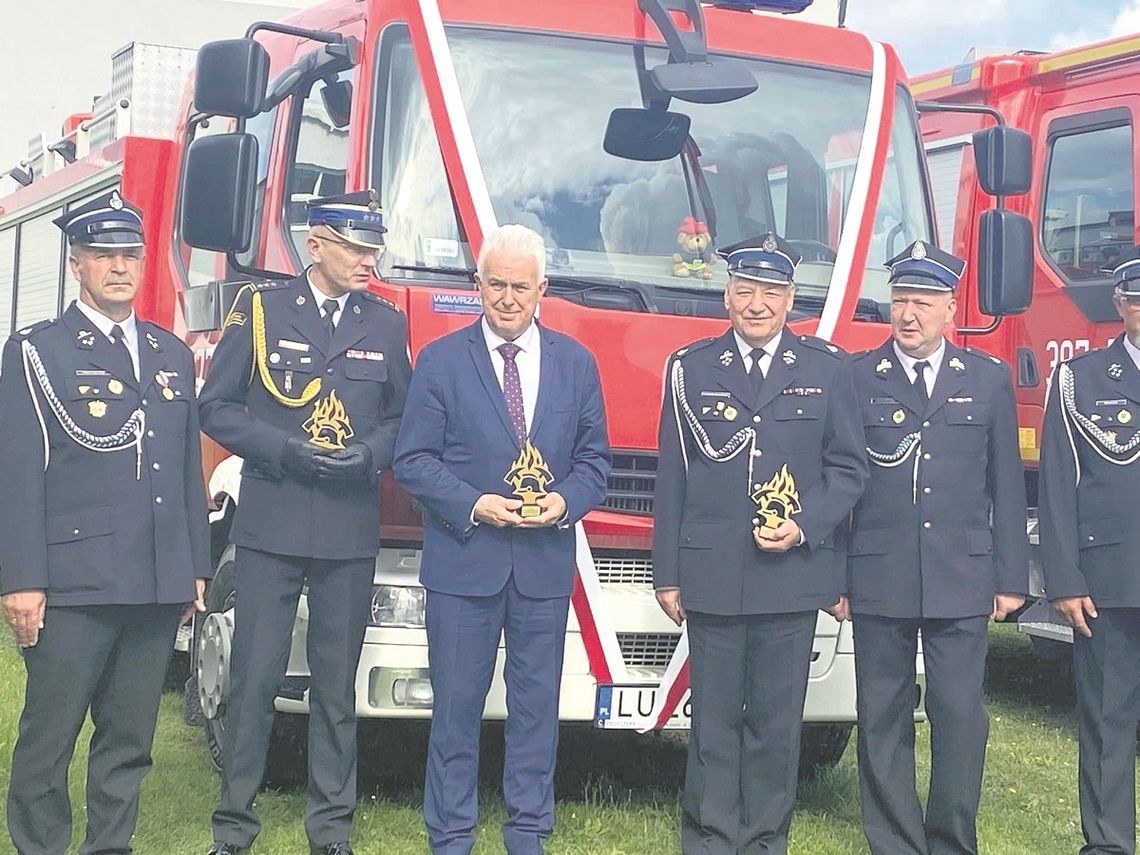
(932, 34)
(45, 79)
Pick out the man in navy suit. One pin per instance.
(503, 403)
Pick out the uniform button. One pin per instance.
(799, 412)
(926, 424)
(155, 467)
(757, 453)
(150, 434)
(969, 418)
(329, 371)
(144, 402)
(75, 531)
(926, 524)
(755, 486)
(1091, 538)
(926, 490)
(158, 501)
(926, 456)
(756, 419)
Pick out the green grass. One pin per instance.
(618, 793)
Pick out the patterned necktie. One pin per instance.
(120, 339)
(920, 380)
(512, 389)
(755, 374)
(330, 307)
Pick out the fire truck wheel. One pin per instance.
(821, 747)
(208, 686)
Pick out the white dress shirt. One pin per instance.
(1133, 351)
(527, 360)
(104, 325)
(765, 360)
(934, 361)
(320, 296)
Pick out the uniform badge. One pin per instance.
(153, 342)
(85, 339)
(275, 358)
(116, 201)
(115, 387)
(1115, 371)
(356, 310)
(369, 355)
(919, 251)
(1110, 436)
(730, 413)
(769, 244)
(956, 364)
(726, 358)
(300, 299)
(898, 417)
(1124, 417)
(286, 344)
(329, 425)
(97, 409)
(777, 499)
(163, 380)
(234, 319)
(84, 388)
(789, 357)
(883, 367)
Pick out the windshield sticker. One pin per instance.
(441, 247)
(457, 304)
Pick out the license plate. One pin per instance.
(625, 707)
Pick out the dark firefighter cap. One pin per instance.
(926, 267)
(1127, 273)
(767, 258)
(356, 217)
(108, 221)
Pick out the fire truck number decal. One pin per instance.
(1065, 349)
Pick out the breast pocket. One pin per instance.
(970, 423)
(799, 422)
(360, 369)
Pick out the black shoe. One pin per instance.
(227, 849)
(341, 848)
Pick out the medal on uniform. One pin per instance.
(114, 386)
(97, 409)
(1124, 417)
(329, 425)
(898, 417)
(777, 499)
(529, 476)
(163, 380)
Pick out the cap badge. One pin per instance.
(919, 251)
(769, 244)
(116, 201)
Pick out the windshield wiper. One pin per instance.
(465, 272)
(601, 292)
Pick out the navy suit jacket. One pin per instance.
(457, 442)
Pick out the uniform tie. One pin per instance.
(920, 380)
(330, 308)
(512, 389)
(120, 339)
(755, 374)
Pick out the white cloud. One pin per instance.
(903, 18)
(1126, 23)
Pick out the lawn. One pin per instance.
(618, 793)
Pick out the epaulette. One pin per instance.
(383, 301)
(26, 332)
(822, 346)
(694, 346)
(982, 355)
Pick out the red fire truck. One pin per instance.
(604, 125)
(1079, 106)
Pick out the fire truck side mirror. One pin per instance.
(1004, 159)
(1005, 263)
(230, 78)
(636, 133)
(217, 192)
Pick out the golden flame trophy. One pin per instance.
(776, 500)
(329, 425)
(529, 476)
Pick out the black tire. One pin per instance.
(822, 747)
(220, 595)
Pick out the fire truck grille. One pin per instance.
(630, 485)
(647, 649)
(624, 571)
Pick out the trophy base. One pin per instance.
(528, 511)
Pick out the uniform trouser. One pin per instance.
(954, 652)
(463, 641)
(267, 590)
(1107, 668)
(749, 676)
(112, 661)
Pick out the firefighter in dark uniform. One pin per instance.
(938, 545)
(760, 464)
(103, 533)
(307, 385)
(1089, 491)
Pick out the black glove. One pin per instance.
(354, 462)
(300, 459)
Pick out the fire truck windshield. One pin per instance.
(781, 159)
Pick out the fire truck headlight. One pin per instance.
(394, 605)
